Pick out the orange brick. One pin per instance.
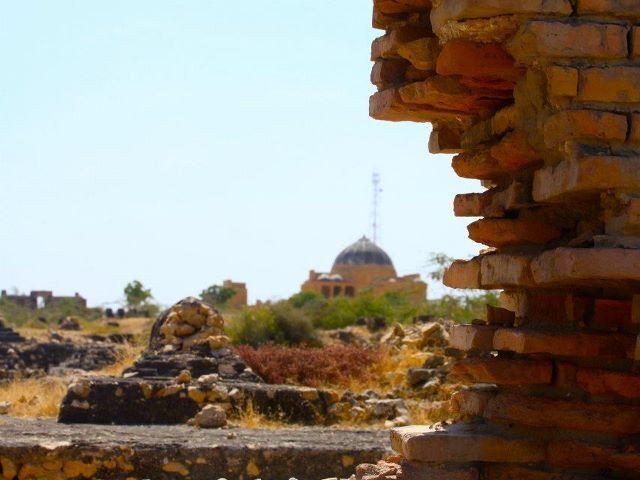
(635, 41)
(463, 274)
(566, 375)
(461, 57)
(401, 6)
(589, 174)
(444, 140)
(566, 344)
(607, 382)
(562, 81)
(634, 133)
(472, 337)
(584, 124)
(579, 455)
(502, 371)
(470, 402)
(569, 40)
(564, 414)
(422, 53)
(387, 45)
(500, 270)
(623, 7)
(496, 232)
(388, 73)
(460, 443)
(447, 93)
(611, 314)
(500, 316)
(615, 84)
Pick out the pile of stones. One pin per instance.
(188, 374)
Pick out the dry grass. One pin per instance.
(127, 355)
(249, 417)
(35, 397)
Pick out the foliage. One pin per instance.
(217, 295)
(439, 262)
(278, 323)
(136, 295)
(463, 308)
(314, 367)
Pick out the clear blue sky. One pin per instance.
(185, 142)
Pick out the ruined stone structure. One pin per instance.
(43, 298)
(364, 267)
(240, 298)
(539, 100)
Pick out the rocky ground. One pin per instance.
(44, 449)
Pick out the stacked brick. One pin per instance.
(540, 100)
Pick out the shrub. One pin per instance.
(337, 366)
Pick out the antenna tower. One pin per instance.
(375, 180)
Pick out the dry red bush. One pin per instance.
(336, 366)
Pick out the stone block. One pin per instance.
(459, 443)
(447, 93)
(564, 414)
(586, 266)
(613, 84)
(421, 53)
(582, 455)
(562, 81)
(584, 124)
(472, 337)
(564, 344)
(607, 382)
(554, 39)
(463, 274)
(471, 59)
(500, 270)
(499, 232)
(503, 371)
(425, 471)
(586, 175)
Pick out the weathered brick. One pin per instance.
(611, 314)
(472, 337)
(580, 455)
(463, 274)
(634, 131)
(515, 472)
(503, 371)
(447, 93)
(586, 266)
(635, 42)
(471, 402)
(422, 471)
(401, 6)
(422, 53)
(444, 140)
(500, 316)
(387, 45)
(614, 84)
(387, 105)
(566, 374)
(498, 232)
(621, 214)
(470, 204)
(564, 344)
(460, 444)
(388, 73)
(569, 40)
(502, 270)
(445, 12)
(629, 8)
(564, 414)
(584, 124)
(562, 81)
(470, 59)
(590, 174)
(607, 382)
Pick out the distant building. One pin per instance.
(239, 299)
(43, 298)
(364, 267)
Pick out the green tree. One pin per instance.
(136, 294)
(217, 295)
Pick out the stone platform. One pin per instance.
(44, 449)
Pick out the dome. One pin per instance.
(363, 252)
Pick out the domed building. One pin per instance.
(364, 267)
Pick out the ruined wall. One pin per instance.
(47, 298)
(540, 101)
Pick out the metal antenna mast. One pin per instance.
(376, 203)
